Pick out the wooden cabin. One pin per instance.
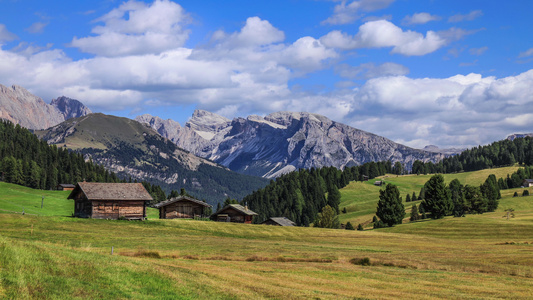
(182, 207)
(527, 183)
(234, 213)
(65, 187)
(110, 200)
(279, 221)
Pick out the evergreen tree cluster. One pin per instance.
(28, 161)
(302, 195)
(497, 154)
(457, 200)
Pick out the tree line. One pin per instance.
(497, 154)
(301, 195)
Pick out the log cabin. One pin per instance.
(234, 213)
(65, 187)
(182, 207)
(110, 200)
(279, 221)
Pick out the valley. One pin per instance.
(477, 256)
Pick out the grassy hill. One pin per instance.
(478, 256)
(361, 198)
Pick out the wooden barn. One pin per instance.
(65, 187)
(279, 221)
(182, 207)
(234, 213)
(110, 200)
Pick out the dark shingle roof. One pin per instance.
(237, 207)
(66, 185)
(282, 221)
(112, 191)
(180, 198)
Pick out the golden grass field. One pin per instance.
(474, 257)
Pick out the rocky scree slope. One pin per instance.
(282, 142)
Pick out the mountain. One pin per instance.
(19, 106)
(130, 148)
(519, 135)
(446, 151)
(282, 142)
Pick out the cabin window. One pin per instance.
(115, 206)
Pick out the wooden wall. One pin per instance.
(181, 209)
(116, 209)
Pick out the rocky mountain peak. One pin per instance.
(70, 108)
(207, 124)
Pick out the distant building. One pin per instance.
(234, 213)
(110, 200)
(182, 207)
(527, 183)
(379, 183)
(65, 187)
(279, 221)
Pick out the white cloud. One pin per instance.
(526, 53)
(478, 51)
(137, 28)
(5, 35)
(348, 13)
(37, 27)
(420, 18)
(370, 70)
(382, 33)
(468, 17)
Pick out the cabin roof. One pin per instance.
(528, 180)
(237, 207)
(66, 185)
(283, 221)
(180, 198)
(112, 191)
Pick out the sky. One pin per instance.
(446, 73)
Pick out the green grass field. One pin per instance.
(59, 257)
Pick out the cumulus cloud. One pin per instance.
(137, 28)
(5, 35)
(384, 34)
(468, 17)
(348, 13)
(419, 18)
(526, 53)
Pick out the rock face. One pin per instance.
(21, 107)
(282, 142)
(446, 151)
(519, 135)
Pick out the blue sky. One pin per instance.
(449, 73)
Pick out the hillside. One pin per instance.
(282, 142)
(131, 149)
(479, 256)
(360, 198)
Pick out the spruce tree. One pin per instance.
(457, 196)
(437, 197)
(408, 198)
(413, 197)
(475, 201)
(390, 208)
(349, 226)
(414, 214)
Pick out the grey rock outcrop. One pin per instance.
(20, 106)
(285, 141)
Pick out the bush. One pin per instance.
(360, 227)
(379, 224)
(515, 194)
(374, 219)
(525, 193)
(361, 261)
(349, 226)
(344, 210)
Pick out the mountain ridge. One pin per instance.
(282, 142)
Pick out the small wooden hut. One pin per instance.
(234, 213)
(279, 221)
(182, 207)
(110, 200)
(65, 187)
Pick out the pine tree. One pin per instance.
(457, 196)
(390, 208)
(413, 197)
(475, 202)
(491, 191)
(414, 214)
(349, 226)
(408, 198)
(327, 218)
(437, 198)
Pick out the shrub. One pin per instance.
(515, 194)
(525, 193)
(360, 227)
(379, 224)
(344, 210)
(374, 219)
(361, 261)
(349, 226)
